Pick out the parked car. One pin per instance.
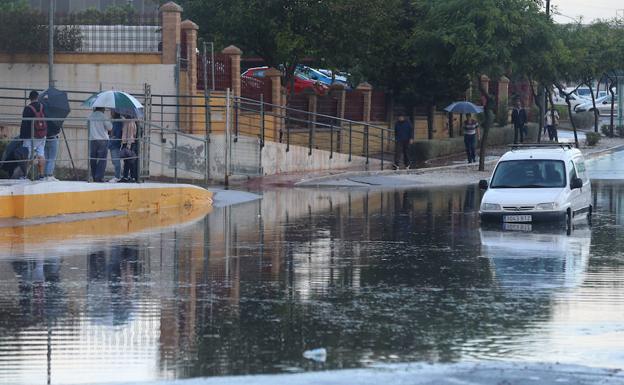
(603, 105)
(301, 82)
(314, 74)
(560, 100)
(537, 183)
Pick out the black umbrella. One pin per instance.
(56, 106)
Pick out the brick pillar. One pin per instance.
(276, 96)
(338, 89)
(503, 89)
(170, 14)
(312, 103)
(485, 83)
(367, 92)
(189, 29)
(235, 56)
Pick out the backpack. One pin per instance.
(40, 125)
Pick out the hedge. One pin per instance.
(437, 148)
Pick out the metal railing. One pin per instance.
(181, 130)
(179, 155)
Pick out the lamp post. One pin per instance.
(51, 43)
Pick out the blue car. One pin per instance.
(317, 75)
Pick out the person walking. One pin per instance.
(471, 133)
(99, 126)
(114, 146)
(551, 121)
(403, 135)
(519, 119)
(33, 131)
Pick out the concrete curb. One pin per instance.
(314, 182)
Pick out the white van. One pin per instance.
(533, 183)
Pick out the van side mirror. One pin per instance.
(483, 184)
(576, 183)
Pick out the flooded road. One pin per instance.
(372, 277)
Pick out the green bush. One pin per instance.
(436, 148)
(606, 130)
(563, 112)
(592, 138)
(26, 30)
(583, 119)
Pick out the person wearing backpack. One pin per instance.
(33, 131)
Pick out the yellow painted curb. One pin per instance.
(50, 199)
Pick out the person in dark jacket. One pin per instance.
(34, 145)
(519, 119)
(114, 146)
(403, 135)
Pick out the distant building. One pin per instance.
(63, 7)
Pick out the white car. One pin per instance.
(603, 105)
(533, 183)
(575, 99)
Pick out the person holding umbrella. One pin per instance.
(99, 127)
(57, 107)
(471, 133)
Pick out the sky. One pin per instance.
(589, 9)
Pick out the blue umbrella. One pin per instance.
(464, 108)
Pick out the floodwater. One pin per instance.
(372, 277)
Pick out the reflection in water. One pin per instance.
(370, 276)
(542, 258)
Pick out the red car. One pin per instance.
(301, 82)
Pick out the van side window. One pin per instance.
(580, 168)
(572, 171)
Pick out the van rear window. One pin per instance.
(533, 173)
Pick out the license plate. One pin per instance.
(517, 218)
(517, 227)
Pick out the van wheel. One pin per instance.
(569, 221)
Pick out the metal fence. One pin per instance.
(119, 38)
(202, 138)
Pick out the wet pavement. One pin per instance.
(374, 277)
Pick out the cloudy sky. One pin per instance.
(589, 9)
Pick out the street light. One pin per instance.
(51, 43)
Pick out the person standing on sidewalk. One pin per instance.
(403, 135)
(51, 150)
(551, 121)
(33, 131)
(99, 127)
(114, 146)
(471, 133)
(519, 119)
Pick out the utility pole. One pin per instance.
(546, 92)
(51, 43)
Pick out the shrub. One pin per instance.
(620, 131)
(592, 138)
(26, 30)
(583, 119)
(606, 130)
(563, 112)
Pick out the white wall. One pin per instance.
(88, 77)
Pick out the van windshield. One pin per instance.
(529, 174)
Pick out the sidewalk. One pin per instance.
(450, 171)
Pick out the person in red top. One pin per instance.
(32, 139)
